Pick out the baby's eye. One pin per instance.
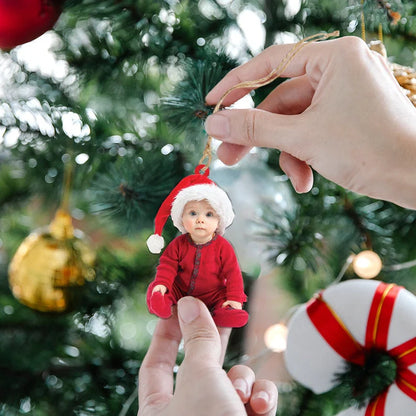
(210, 214)
(193, 213)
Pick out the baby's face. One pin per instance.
(200, 220)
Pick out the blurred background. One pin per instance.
(101, 114)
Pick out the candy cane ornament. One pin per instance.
(345, 323)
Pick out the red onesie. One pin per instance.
(208, 271)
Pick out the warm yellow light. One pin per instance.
(367, 264)
(275, 337)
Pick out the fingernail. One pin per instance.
(261, 395)
(218, 126)
(293, 182)
(241, 385)
(188, 309)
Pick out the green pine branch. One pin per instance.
(185, 108)
(134, 187)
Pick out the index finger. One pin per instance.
(156, 371)
(262, 65)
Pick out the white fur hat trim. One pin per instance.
(216, 197)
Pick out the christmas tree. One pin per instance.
(100, 117)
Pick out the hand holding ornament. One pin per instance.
(341, 112)
(202, 387)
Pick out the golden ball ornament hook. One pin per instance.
(51, 265)
(367, 264)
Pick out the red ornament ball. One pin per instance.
(24, 20)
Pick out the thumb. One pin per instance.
(255, 127)
(201, 338)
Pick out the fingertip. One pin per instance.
(260, 402)
(222, 91)
(299, 172)
(209, 101)
(188, 309)
(264, 396)
(242, 389)
(302, 183)
(230, 153)
(212, 97)
(242, 378)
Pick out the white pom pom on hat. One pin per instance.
(196, 187)
(155, 243)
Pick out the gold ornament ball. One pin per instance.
(367, 264)
(51, 265)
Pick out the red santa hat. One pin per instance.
(196, 187)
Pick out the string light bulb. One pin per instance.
(367, 264)
(275, 337)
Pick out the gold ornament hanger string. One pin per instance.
(61, 226)
(362, 21)
(68, 169)
(392, 15)
(253, 84)
(380, 32)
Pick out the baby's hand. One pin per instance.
(233, 304)
(159, 288)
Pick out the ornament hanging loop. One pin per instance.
(206, 156)
(273, 75)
